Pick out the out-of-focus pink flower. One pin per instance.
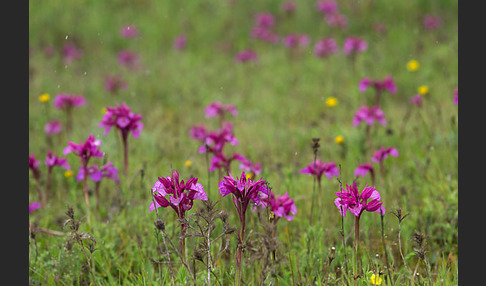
(281, 206)
(67, 101)
(431, 22)
(264, 20)
(114, 83)
(288, 7)
(456, 100)
(52, 127)
(85, 150)
(33, 206)
(123, 119)
(180, 42)
(264, 34)
(364, 169)
(34, 166)
(295, 40)
(354, 45)
(337, 20)
(249, 166)
(128, 59)
(320, 168)
(70, 53)
(129, 31)
(246, 56)
(379, 85)
(369, 115)
(216, 108)
(198, 132)
(416, 100)
(52, 161)
(325, 47)
(382, 153)
(96, 174)
(327, 7)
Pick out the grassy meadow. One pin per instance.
(284, 98)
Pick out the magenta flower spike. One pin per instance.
(67, 102)
(129, 31)
(70, 53)
(249, 166)
(114, 83)
(327, 7)
(379, 85)
(221, 162)
(325, 47)
(281, 206)
(246, 56)
(216, 140)
(369, 115)
(180, 42)
(364, 169)
(126, 122)
(128, 59)
(179, 195)
(416, 100)
(34, 166)
(198, 132)
(51, 161)
(354, 45)
(296, 40)
(455, 100)
(383, 153)
(34, 206)
(264, 20)
(337, 20)
(288, 7)
(84, 151)
(52, 127)
(243, 192)
(216, 108)
(350, 199)
(96, 173)
(320, 168)
(264, 34)
(431, 22)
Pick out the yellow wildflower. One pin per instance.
(249, 176)
(339, 139)
(44, 97)
(413, 65)
(423, 90)
(188, 163)
(375, 279)
(331, 101)
(68, 174)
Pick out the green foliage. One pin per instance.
(281, 105)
